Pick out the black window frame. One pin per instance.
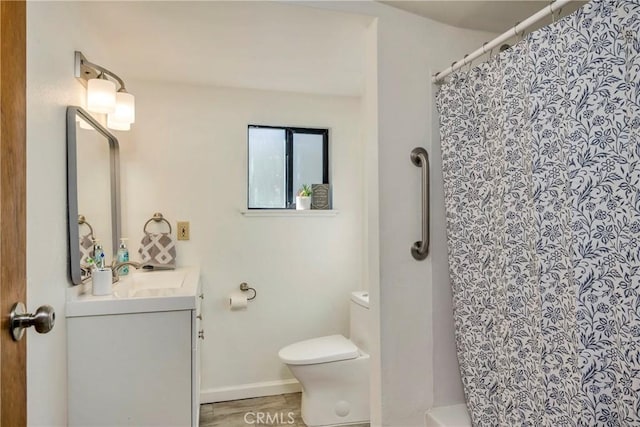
(290, 131)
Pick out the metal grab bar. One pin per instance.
(420, 158)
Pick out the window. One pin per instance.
(281, 160)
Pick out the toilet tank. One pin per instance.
(359, 320)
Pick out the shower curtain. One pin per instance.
(541, 161)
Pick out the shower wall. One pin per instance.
(411, 299)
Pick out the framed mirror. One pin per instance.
(93, 191)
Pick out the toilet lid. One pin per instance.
(319, 350)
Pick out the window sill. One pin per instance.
(289, 212)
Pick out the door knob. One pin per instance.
(43, 320)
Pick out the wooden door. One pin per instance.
(13, 354)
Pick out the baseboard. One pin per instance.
(245, 391)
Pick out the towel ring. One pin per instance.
(157, 217)
(82, 221)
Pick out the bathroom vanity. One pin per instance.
(134, 356)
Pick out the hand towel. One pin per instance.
(158, 250)
(86, 248)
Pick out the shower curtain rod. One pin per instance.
(517, 29)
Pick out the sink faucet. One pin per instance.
(115, 267)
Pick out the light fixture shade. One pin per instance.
(115, 124)
(125, 108)
(101, 96)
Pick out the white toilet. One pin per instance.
(334, 371)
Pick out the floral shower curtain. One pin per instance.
(541, 160)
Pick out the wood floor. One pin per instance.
(279, 410)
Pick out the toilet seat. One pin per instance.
(331, 348)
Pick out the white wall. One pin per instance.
(54, 31)
(186, 157)
(418, 365)
(371, 215)
(419, 362)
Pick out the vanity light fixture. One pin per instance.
(125, 108)
(115, 124)
(101, 95)
(106, 93)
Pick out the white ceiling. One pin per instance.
(258, 45)
(492, 16)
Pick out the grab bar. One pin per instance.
(420, 158)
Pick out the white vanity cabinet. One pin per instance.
(134, 360)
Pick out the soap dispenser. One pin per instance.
(123, 256)
(98, 254)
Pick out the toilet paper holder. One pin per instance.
(244, 287)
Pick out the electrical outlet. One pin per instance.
(183, 230)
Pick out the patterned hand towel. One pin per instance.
(158, 250)
(86, 248)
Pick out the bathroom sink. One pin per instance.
(153, 280)
(139, 291)
(149, 284)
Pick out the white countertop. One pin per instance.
(139, 292)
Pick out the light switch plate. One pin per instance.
(183, 230)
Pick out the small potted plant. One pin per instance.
(303, 199)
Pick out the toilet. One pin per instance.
(334, 371)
